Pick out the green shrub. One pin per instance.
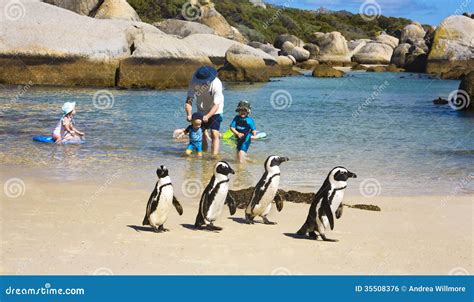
(257, 22)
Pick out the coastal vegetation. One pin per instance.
(265, 24)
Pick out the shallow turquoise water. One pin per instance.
(380, 126)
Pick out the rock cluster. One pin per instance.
(104, 43)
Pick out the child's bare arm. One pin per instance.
(69, 128)
(254, 134)
(77, 131)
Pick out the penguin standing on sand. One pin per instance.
(326, 204)
(265, 192)
(160, 202)
(214, 197)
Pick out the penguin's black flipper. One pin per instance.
(178, 206)
(230, 201)
(152, 202)
(258, 191)
(327, 210)
(203, 206)
(339, 211)
(279, 202)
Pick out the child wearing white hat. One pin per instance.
(65, 129)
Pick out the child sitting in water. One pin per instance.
(243, 127)
(65, 130)
(195, 134)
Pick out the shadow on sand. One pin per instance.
(139, 228)
(193, 228)
(242, 220)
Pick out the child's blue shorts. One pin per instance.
(196, 146)
(244, 143)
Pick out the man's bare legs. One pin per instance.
(215, 137)
(216, 140)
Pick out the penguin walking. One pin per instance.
(214, 197)
(160, 201)
(265, 192)
(326, 204)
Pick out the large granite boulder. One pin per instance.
(400, 54)
(410, 57)
(453, 47)
(415, 60)
(85, 51)
(313, 50)
(289, 49)
(82, 7)
(356, 45)
(270, 49)
(116, 9)
(325, 71)
(374, 53)
(211, 17)
(420, 43)
(183, 28)
(332, 48)
(255, 44)
(465, 95)
(266, 47)
(308, 65)
(160, 61)
(215, 47)
(77, 51)
(387, 39)
(290, 38)
(243, 65)
(413, 32)
(284, 67)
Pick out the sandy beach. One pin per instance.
(86, 229)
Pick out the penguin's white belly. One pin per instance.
(217, 205)
(337, 200)
(160, 215)
(262, 207)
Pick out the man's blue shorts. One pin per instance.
(196, 146)
(244, 143)
(214, 122)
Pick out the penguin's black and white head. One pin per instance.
(339, 175)
(223, 168)
(162, 172)
(273, 162)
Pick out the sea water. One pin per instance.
(382, 126)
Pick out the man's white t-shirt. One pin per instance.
(207, 95)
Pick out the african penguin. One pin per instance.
(215, 196)
(265, 192)
(160, 201)
(326, 203)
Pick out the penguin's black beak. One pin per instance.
(352, 175)
(231, 171)
(283, 159)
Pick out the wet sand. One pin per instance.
(86, 229)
